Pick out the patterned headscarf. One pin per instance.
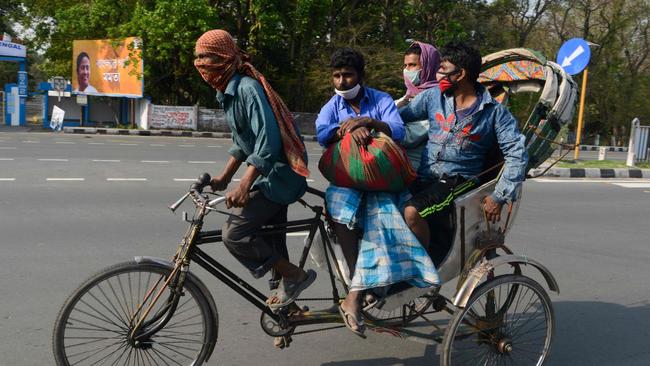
(430, 62)
(232, 59)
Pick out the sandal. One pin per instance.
(289, 291)
(346, 320)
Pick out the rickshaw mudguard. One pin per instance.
(204, 291)
(477, 273)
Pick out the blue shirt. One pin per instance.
(374, 104)
(461, 147)
(256, 139)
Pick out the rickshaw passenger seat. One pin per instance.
(442, 225)
(494, 157)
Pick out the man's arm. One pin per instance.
(513, 146)
(268, 145)
(388, 122)
(221, 182)
(418, 109)
(327, 125)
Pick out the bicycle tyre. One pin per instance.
(498, 338)
(167, 346)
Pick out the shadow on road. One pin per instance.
(599, 333)
(430, 358)
(587, 333)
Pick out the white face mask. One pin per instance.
(350, 93)
(414, 76)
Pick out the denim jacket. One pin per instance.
(461, 147)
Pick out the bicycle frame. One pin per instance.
(189, 251)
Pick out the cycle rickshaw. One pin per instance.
(154, 311)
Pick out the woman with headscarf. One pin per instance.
(266, 139)
(421, 62)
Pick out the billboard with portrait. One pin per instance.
(108, 67)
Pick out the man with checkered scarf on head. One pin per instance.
(266, 139)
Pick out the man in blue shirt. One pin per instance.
(466, 125)
(264, 138)
(355, 109)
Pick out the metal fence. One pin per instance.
(34, 110)
(639, 149)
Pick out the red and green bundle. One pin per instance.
(381, 165)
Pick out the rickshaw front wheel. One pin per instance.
(508, 320)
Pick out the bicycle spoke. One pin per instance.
(112, 312)
(175, 351)
(116, 311)
(94, 350)
(168, 358)
(103, 319)
(91, 325)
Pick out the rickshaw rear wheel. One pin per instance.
(508, 320)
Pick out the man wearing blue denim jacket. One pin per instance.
(466, 125)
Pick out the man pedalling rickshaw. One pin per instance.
(154, 311)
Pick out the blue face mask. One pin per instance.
(413, 76)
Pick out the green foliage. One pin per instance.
(290, 42)
(169, 29)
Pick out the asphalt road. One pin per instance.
(70, 205)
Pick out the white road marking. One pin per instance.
(6, 159)
(65, 142)
(315, 154)
(7, 147)
(126, 179)
(187, 145)
(129, 144)
(106, 161)
(579, 180)
(633, 185)
(239, 180)
(215, 146)
(299, 233)
(157, 145)
(155, 161)
(202, 162)
(65, 179)
(95, 143)
(184, 179)
(31, 142)
(7, 179)
(52, 159)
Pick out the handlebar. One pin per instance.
(196, 189)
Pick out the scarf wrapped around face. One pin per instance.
(430, 62)
(231, 59)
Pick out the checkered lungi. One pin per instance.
(388, 252)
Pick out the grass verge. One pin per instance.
(605, 164)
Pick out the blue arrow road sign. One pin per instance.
(574, 55)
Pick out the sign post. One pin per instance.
(574, 57)
(22, 83)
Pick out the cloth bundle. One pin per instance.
(381, 165)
